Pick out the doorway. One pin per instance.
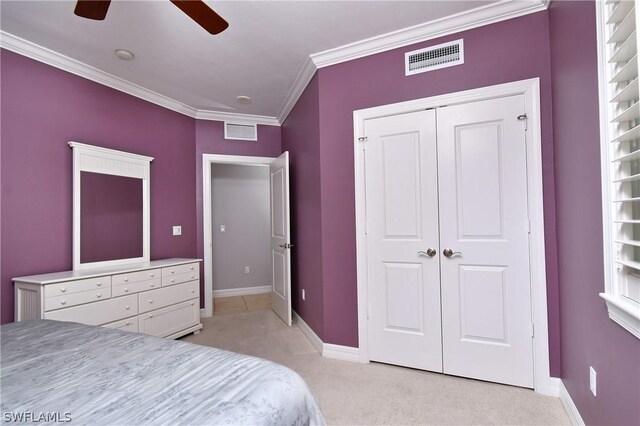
(430, 216)
(267, 241)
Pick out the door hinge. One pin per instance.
(363, 139)
(533, 330)
(286, 245)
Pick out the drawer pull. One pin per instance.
(99, 284)
(63, 290)
(192, 276)
(173, 272)
(191, 267)
(126, 290)
(191, 303)
(63, 302)
(153, 275)
(126, 280)
(127, 307)
(99, 295)
(127, 323)
(150, 301)
(193, 291)
(172, 280)
(152, 285)
(150, 315)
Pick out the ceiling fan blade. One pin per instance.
(92, 9)
(203, 15)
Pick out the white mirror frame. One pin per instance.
(89, 158)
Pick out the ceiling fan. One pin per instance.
(195, 9)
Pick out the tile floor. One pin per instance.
(239, 304)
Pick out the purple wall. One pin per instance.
(209, 139)
(42, 109)
(589, 337)
(301, 137)
(494, 54)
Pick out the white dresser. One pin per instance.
(161, 297)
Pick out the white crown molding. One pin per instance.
(304, 77)
(485, 15)
(42, 54)
(236, 118)
(474, 18)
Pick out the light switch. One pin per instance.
(177, 230)
(223, 228)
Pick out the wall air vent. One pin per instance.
(243, 132)
(434, 57)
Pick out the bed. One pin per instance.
(96, 375)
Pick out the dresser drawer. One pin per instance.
(77, 286)
(73, 299)
(171, 319)
(132, 277)
(127, 324)
(180, 269)
(135, 287)
(166, 296)
(180, 278)
(98, 313)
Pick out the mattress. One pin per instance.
(62, 371)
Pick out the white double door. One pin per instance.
(447, 241)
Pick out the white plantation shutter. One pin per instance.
(621, 158)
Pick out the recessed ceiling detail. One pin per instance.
(124, 54)
(244, 100)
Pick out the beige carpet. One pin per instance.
(375, 394)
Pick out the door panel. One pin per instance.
(402, 220)
(280, 238)
(478, 172)
(486, 305)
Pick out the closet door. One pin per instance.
(486, 302)
(402, 225)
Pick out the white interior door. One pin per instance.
(280, 238)
(402, 241)
(486, 301)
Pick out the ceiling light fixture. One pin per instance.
(245, 100)
(124, 54)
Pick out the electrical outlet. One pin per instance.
(247, 270)
(592, 380)
(304, 296)
(177, 230)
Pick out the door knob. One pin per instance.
(449, 253)
(430, 252)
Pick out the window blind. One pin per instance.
(621, 54)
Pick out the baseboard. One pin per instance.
(245, 291)
(572, 410)
(550, 387)
(327, 350)
(308, 332)
(344, 353)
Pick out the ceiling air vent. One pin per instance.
(434, 57)
(243, 132)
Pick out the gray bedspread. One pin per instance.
(95, 375)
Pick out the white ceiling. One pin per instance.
(261, 54)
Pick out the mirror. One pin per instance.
(110, 207)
